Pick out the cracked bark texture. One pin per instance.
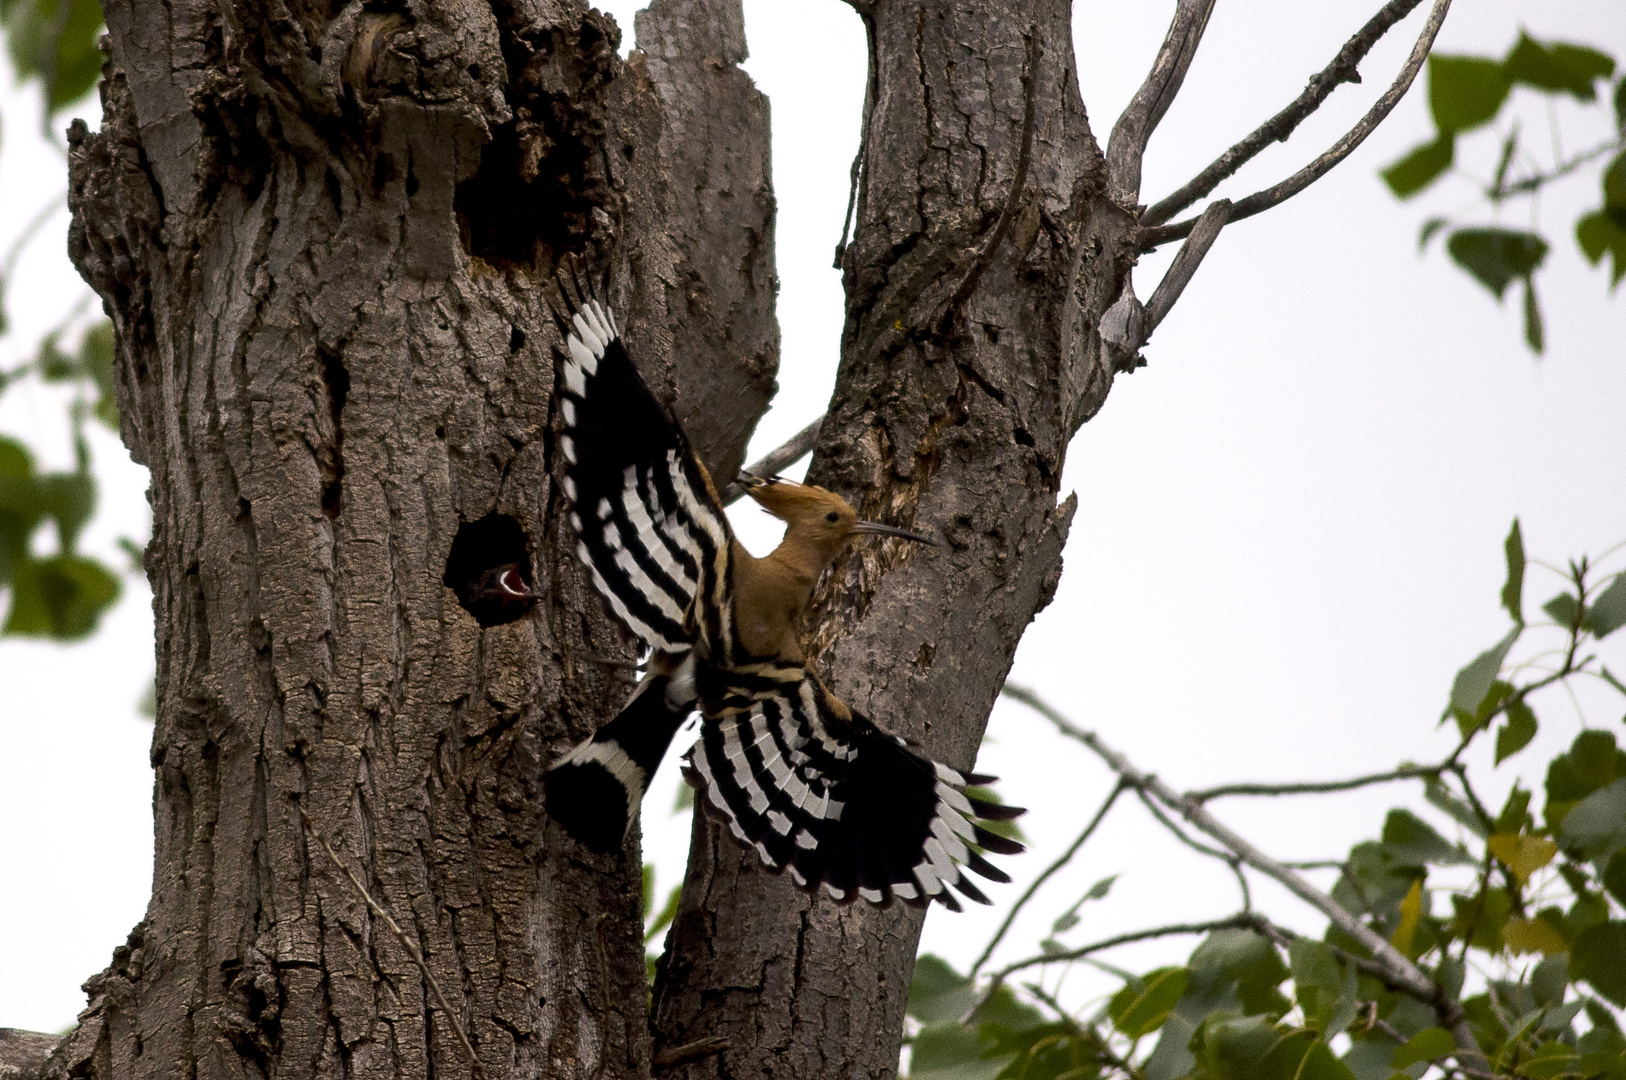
(970, 356)
(322, 231)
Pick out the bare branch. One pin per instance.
(1127, 146)
(1343, 69)
(1240, 921)
(1319, 787)
(1185, 263)
(411, 947)
(1397, 969)
(1049, 871)
(1263, 200)
(782, 456)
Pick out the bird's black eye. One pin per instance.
(832, 517)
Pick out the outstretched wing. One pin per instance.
(649, 524)
(825, 794)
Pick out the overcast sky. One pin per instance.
(1289, 525)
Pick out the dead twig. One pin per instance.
(1126, 148)
(1260, 201)
(1343, 69)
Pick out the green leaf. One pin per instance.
(1592, 761)
(1143, 1004)
(1620, 103)
(1464, 91)
(55, 41)
(1427, 1045)
(1430, 227)
(1608, 611)
(1473, 683)
(1513, 588)
(1497, 257)
(664, 917)
(1550, 980)
(1517, 732)
(1557, 67)
(1564, 610)
(1420, 168)
(61, 597)
(938, 993)
(70, 498)
(1598, 956)
(1596, 826)
(1325, 988)
(1069, 918)
(1614, 877)
(951, 1052)
(1234, 1048)
(1535, 334)
(1599, 233)
(1414, 842)
(1005, 1010)
(1442, 798)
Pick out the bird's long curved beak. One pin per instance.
(875, 528)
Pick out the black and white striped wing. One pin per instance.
(649, 524)
(829, 797)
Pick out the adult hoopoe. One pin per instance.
(814, 787)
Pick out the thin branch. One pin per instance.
(1239, 921)
(1322, 787)
(1398, 970)
(1185, 264)
(1531, 183)
(781, 457)
(1030, 94)
(1343, 69)
(1127, 147)
(1263, 200)
(411, 947)
(1049, 871)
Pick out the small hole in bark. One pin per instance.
(440, 433)
(474, 72)
(333, 192)
(330, 458)
(1022, 437)
(486, 558)
(505, 218)
(991, 332)
(411, 182)
(516, 340)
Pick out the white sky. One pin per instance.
(1289, 530)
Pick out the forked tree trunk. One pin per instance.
(969, 359)
(323, 231)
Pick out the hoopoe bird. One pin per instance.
(815, 788)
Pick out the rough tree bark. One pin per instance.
(985, 254)
(323, 232)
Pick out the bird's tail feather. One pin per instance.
(594, 791)
(858, 812)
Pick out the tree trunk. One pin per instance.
(970, 357)
(324, 234)
(325, 241)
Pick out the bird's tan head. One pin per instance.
(819, 516)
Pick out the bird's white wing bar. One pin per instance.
(648, 521)
(840, 803)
